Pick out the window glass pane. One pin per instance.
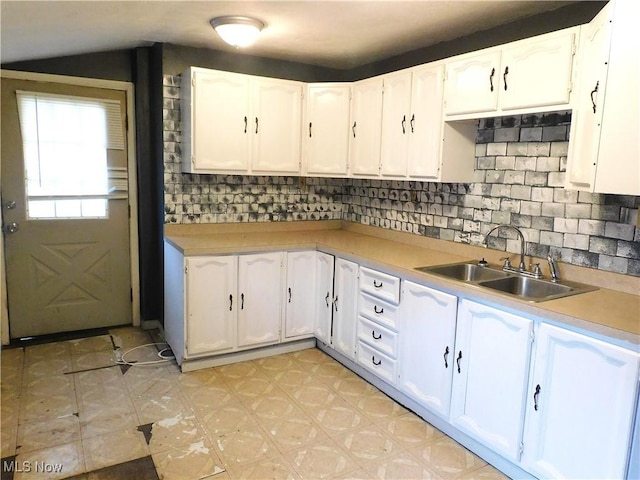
(68, 208)
(94, 208)
(41, 209)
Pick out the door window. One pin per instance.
(65, 144)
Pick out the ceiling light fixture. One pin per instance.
(237, 31)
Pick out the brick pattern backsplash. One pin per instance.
(520, 169)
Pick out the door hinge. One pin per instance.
(533, 335)
(131, 294)
(521, 449)
(193, 81)
(186, 269)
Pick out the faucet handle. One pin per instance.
(507, 262)
(537, 271)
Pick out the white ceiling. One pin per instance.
(338, 34)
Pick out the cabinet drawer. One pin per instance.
(378, 363)
(379, 311)
(378, 336)
(381, 285)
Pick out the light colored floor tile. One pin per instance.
(321, 460)
(209, 396)
(276, 364)
(447, 458)
(244, 446)
(368, 444)
(293, 432)
(296, 377)
(273, 468)
(379, 407)
(91, 360)
(313, 396)
(352, 388)
(485, 473)
(151, 408)
(273, 406)
(149, 380)
(90, 344)
(311, 357)
(61, 461)
(183, 429)
(114, 448)
(8, 440)
(253, 387)
(129, 337)
(227, 419)
(239, 371)
(401, 465)
(194, 461)
(199, 378)
(410, 430)
(47, 405)
(329, 372)
(339, 417)
(56, 431)
(107, 420)
(47, 352)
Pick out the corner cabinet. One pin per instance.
(528, 75)
(581, 406)
(240, 124)
(604, 148)
(491, 369)
(325, 130)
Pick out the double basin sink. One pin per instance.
(519, 286)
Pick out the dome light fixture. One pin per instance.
(236, 30)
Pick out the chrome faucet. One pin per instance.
(507, 266)
(553, 269)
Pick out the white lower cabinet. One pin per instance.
(300, 294)
(345, 307)
(324, 296)
(490, 377)
(581, 406)
(260, 293)
(211, 285)
(425, 357)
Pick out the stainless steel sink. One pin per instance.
(514, 284)
(535, 290)
(466, 272)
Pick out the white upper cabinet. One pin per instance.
(426, 356)
(215, 121)
(604, 148)
(526, 76)
(491, 368)
(326, 130)
(277, 116)
(242, 124)
(396, 124)
(581, 407)
(366, 128)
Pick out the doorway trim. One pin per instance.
(126, 87)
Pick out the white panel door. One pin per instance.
(220, 136)
(326, 130)
(472, 84)
(396, 128)
(581, 406)
(595, 40)
(425, 123)
(211, 303)
(427, 334)
(366, 127)
(537, 73)
(345, 307)
(490, 378)
(276, 126)
(301, 294)
(260, 297)
(324, 292)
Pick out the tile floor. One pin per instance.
(69, 406)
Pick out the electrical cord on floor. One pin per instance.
(120, 356)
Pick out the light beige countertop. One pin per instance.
(612, 311)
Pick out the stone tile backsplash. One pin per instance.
(520, 169)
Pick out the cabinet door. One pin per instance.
(472, 84)
(326, 130)
(220, 139)
(301, 294)
(324, 292)
(345, 307)
(427, 334)
(396, 128)
(211, 304)
(366, 127)
(490, 378)
(425, 123)
(537, 73)
(276, 126)
(260, 292)
(581, 407)
(586, 118)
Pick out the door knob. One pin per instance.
(10, 205)
(12, 227)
